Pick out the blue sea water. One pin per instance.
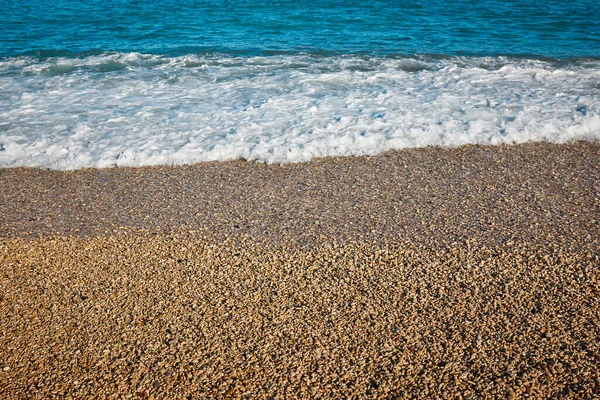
(542, 28)
(100, 83)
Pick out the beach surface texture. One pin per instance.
(470, 272)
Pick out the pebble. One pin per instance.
(405, 286)
(510, 394)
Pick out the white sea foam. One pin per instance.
(133, 109)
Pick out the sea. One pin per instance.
(103, 83)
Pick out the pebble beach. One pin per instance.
(469, 272)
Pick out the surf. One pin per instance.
(132, 109)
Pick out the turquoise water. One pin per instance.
(541, 28)
(104, 83)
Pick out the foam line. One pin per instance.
(130, 109)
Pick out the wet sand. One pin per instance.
(466, 272)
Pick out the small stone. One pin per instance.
(510, 394)
(6, 369)
(529, 389)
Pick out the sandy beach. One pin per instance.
(471, 272)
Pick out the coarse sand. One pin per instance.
(429, 273)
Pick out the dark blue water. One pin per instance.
(524, 28)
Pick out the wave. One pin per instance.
(128, 109)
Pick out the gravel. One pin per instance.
(453, 273)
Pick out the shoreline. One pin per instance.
(471, 272)
(434, 196)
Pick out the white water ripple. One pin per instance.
(133, 109)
